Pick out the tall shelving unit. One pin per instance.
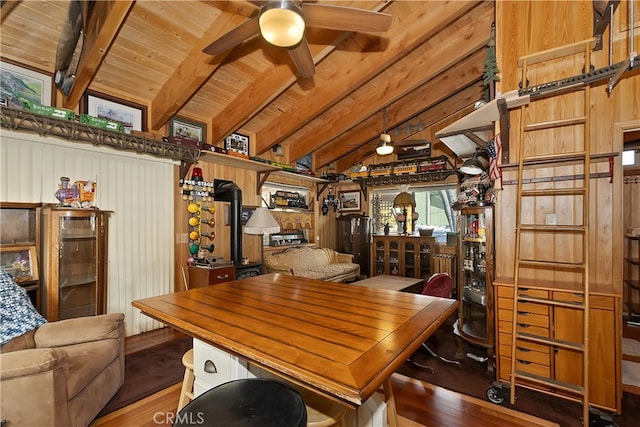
(475, 322)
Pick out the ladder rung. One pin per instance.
(552, 228)
(553, 192)
(550, 264)
(551, 341)
(556, 123)
(555, 302)
(555, 158)
(561, 385)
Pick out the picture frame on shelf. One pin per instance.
(245, 214)
(37, 86)
(349, 201)
(237, 143)
(133, 116)
(20, 262)
(188, 129)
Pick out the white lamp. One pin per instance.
(261, 222)
(281, 23)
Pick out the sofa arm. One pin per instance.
(29, 362)
(344, 258)
(281, 269)
(80, 329)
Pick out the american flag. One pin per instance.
(494, 149)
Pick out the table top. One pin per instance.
(339, 340)
(390, 282)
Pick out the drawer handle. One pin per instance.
(524, 362)
(523, 325)
(223, 276)
(210, 367)
(523, 313)
(524, 350)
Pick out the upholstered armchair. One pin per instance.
(62, 373)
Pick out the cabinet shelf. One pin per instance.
(475, 322)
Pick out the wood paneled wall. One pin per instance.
(526, 27)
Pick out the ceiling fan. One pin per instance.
(282, 24)
(385, 147)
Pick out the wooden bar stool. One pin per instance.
(321, 411)
(252, 402)
(186, 393)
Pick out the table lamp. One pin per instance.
(261, 222)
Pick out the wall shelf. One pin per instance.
(73, 131)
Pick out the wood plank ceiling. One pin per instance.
(428, 66)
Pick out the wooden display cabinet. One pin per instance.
(20, 245)
(409, 256)
(475, 322)
(74, 247)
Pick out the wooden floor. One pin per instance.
(418, 403)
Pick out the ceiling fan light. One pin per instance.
(281, 24)
(384, 149)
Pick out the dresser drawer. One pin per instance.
(202, 277)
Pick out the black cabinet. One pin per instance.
(354, 233)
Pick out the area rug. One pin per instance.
(149, 371)
(471, 378)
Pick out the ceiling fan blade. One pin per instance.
(301, 57)
(344, 18)
(234, 37)
(411, 142)
(69, 36)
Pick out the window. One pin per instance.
(630, 158)
(433, 204)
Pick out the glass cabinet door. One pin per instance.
(474, 291)
(380, 258)
(77, 275)
(394, 257)
(409, 259)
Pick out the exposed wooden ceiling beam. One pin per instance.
(7, 8)
(404, 35)
(434, 91)
(270, 85)
(104, 22)
(194, 71)
(432, 117)
(462, 37)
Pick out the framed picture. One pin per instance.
(188, 129)
(237, 143)
(20, 262)
(132, 116)
(20, 83)
(245, 214)
(349, 200)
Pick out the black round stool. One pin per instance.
(254, 402)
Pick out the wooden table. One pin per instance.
(338, 340)
(392, 283)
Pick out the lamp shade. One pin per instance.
(474, 166)
(281, 23)
(261, 222)
(384, 149)
(403, 199)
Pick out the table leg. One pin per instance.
(392, 415)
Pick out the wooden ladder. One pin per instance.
(529, 288)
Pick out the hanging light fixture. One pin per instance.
(384, 148)
(476, 165)
(281, 23)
